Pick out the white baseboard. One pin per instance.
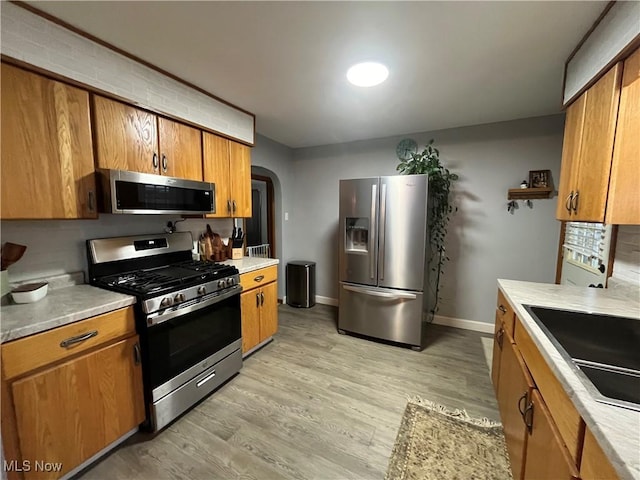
(464, 324)
(327, 300)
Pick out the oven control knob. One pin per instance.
(202, 290)
(221, 284)
(229, 282)
(166, 302)
(179, 298)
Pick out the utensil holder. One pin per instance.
(236, 253)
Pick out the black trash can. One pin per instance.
(301, 284)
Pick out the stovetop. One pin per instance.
(166, 279)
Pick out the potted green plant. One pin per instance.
(441, 206)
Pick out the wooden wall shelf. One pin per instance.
(529, 193)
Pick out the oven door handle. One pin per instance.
(157, 319)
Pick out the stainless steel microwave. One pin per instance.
(146, 193)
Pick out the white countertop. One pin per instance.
(248, 264)
(60, 307)
(616, 429)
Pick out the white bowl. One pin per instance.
(30, 292)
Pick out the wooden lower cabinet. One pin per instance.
(546, 453)
(259, 312)
(595, 465)
(514, 388)
(68, 410)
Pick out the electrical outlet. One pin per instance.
(286, 216)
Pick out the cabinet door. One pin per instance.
(126, 138)
(547, 455)
(47, 155)
(623, 205)
(514, 387)
(594, 464)
(498, 338)
(240, 169)
(596, 149)
(268, 311)
(250, 307)
(180, 150)
(216, 170)
(573, 124)
(72, 411)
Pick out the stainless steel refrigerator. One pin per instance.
(384, 258)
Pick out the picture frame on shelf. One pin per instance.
(539, 178)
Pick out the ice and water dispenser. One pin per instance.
(357, 235)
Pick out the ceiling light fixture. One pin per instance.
(367, 74)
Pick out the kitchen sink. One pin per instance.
(605, 348)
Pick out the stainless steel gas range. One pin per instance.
(187, 316)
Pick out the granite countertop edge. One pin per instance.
(60, 307)
(611, 426)
(249, 264)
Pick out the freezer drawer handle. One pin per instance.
(375, 293)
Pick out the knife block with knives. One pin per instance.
(237, 242)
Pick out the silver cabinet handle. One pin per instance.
(137, 357)
(502, 309)
(574, 202)
(165, 162)
(261, 299)
(78, 339)
(229, 207)
(92, 201)
(383, 228)
(259, 278)
(154, 161)
(372, 237)
(567, 203)
(375, 293)
(234, 206)
(500, 337)
(206, 379)
(257, 300)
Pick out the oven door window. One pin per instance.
(180, 343)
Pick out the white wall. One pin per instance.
(275, 160)
(485, 242)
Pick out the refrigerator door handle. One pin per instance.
(374, 227)
(383, 228)
(376, 293)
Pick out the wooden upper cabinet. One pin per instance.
(547, 455)
(47, 155)
(228, 165)
(624, 195)
(70, 412)
(240, 173)
(573, 123)
(590, 130)
(180, 150)
(215, 167)
(596, 149)
(126, 138)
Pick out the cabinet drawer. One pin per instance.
(259, 277)
(505, 313)
(26, 354)
(567, 418)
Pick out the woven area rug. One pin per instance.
(435, 443)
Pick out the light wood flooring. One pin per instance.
(311, 404)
